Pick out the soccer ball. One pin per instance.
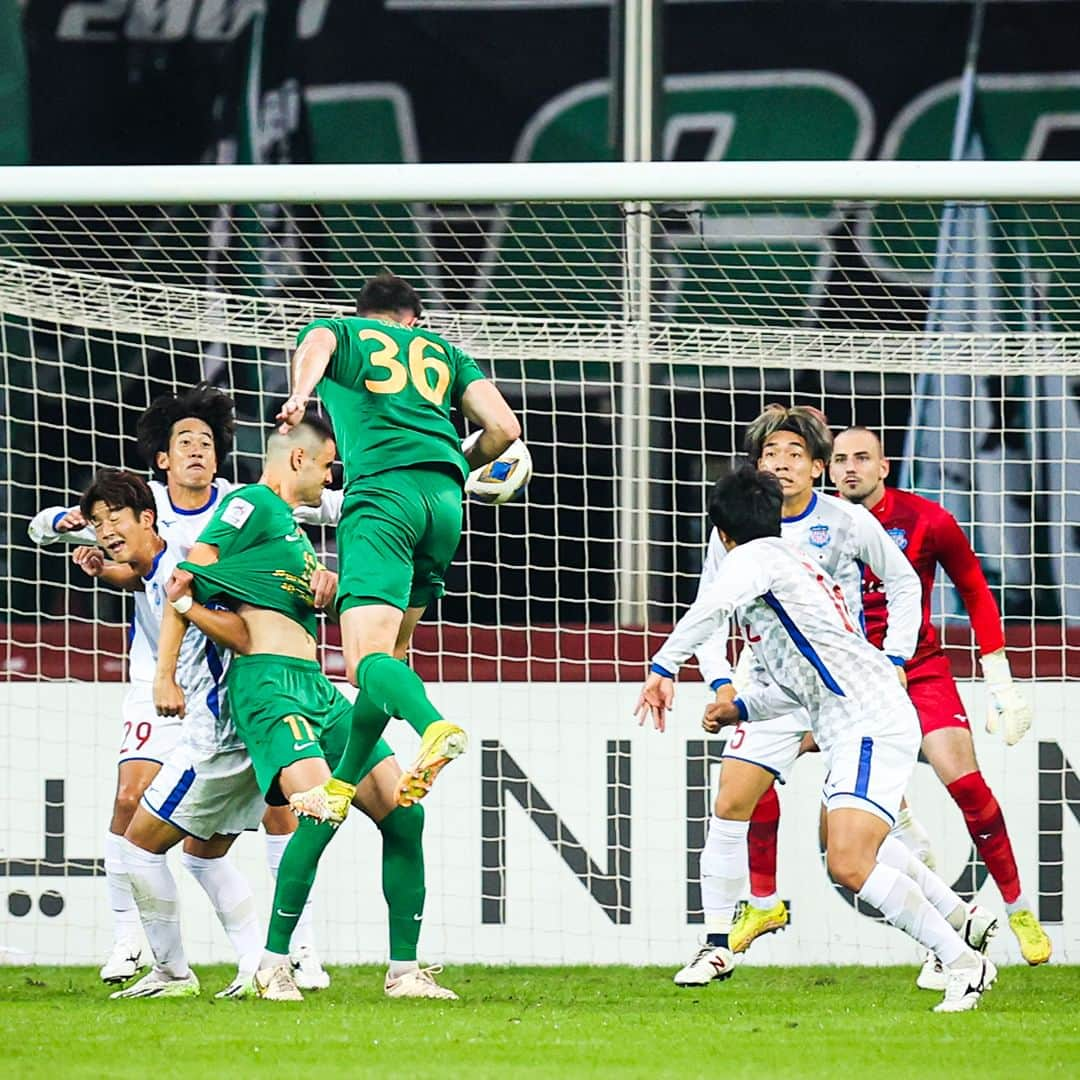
(501, 479)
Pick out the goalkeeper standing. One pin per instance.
(388, 387)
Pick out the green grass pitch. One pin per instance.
(550, 1022)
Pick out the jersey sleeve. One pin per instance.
(328, 512)
(740, 578)
(954, 552)
(335, 326)
(240, 521)
(903, 590)
(712, 654)
(466, 372)
(763, 699)
(42, 528)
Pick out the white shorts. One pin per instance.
(206, 794)
(771, 744)
(145, 736)
(870, 773)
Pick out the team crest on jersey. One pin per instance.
(237, 512)
(900, 536)
(819, 535)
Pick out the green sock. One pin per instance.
(296, 875)
(398, 689)
(403, 877)
(367, 718)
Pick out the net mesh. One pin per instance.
(952, 329)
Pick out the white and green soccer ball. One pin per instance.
(500, 480)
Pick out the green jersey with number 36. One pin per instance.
(389, 389)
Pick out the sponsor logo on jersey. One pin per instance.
(819, 535)
(237, 512)
(899, 536)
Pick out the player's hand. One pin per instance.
(291, 413)
(324, 587)
(168, 697)
(179, 584)
(724, 695)
(90, 560)
(655, 700)
(721, 713)
(1008, 711)
(72, 521)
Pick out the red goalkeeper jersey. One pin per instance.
(929, 535)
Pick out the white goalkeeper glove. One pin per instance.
(1007, 711)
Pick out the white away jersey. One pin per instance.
(840, 538)
(200, 667)
(808, 648)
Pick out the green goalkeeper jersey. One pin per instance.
(264, 557)
(389, 389)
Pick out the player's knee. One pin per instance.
(847, 867)
(404, 824)
(733, 805)
(125, 805)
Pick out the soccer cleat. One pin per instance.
(980, 925)
(277, 984)
(442, 742)
(1035, 946)
(124, 962)
(710, 962)
(155, 983)
(327, 802)
(242, 986)
(966, 986)
(308, 972)
(933, 975)
(752, 922)
(418, 983)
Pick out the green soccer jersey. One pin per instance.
(264, 557)
(389, 389)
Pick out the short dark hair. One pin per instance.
(746, 504)
(118, 490)
(802, 420)
(203, 401)
(319, 425)
(387, 292)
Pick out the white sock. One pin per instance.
(909, 831)
(154, 890)
(893, 853)
(272, 959)
(124, 912)
(1019, 904)
(904, 906)
(402, 967)
(234, 903)
(303, 935)
(723, 872)
(763, 903)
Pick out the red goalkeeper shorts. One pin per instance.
(933, 692)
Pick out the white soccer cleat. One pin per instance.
(308, 972)
(966, 986)
(710, 962)
(418, 983)
(155, 983)
(277, 984)
(125, 962)
(980, 925)
(243, 986)
(932, 976)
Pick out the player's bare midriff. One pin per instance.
(272, 632)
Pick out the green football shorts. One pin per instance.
(398, 532)
(286, 710)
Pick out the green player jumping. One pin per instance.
(388, 386)
(294, 722)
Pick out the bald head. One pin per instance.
(298, 463)
(858, 466)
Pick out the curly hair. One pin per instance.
(802, 420)
(118, 490)
(203, 401)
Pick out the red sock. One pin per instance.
(761, 844)
(987, 827)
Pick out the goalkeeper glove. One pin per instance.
(1007, 711)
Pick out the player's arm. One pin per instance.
(758, 699)
(1007, 709)
(484, 405)
(59, 523)
(92, 562)
(309, 364)
(712, 654)
(903, 590)
(223, 627)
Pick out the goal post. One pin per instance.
(636, 357)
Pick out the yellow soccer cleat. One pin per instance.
(327, 802)
(442, 742)
(1035, 946)
(753, 922)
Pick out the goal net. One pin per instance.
(637, 319)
